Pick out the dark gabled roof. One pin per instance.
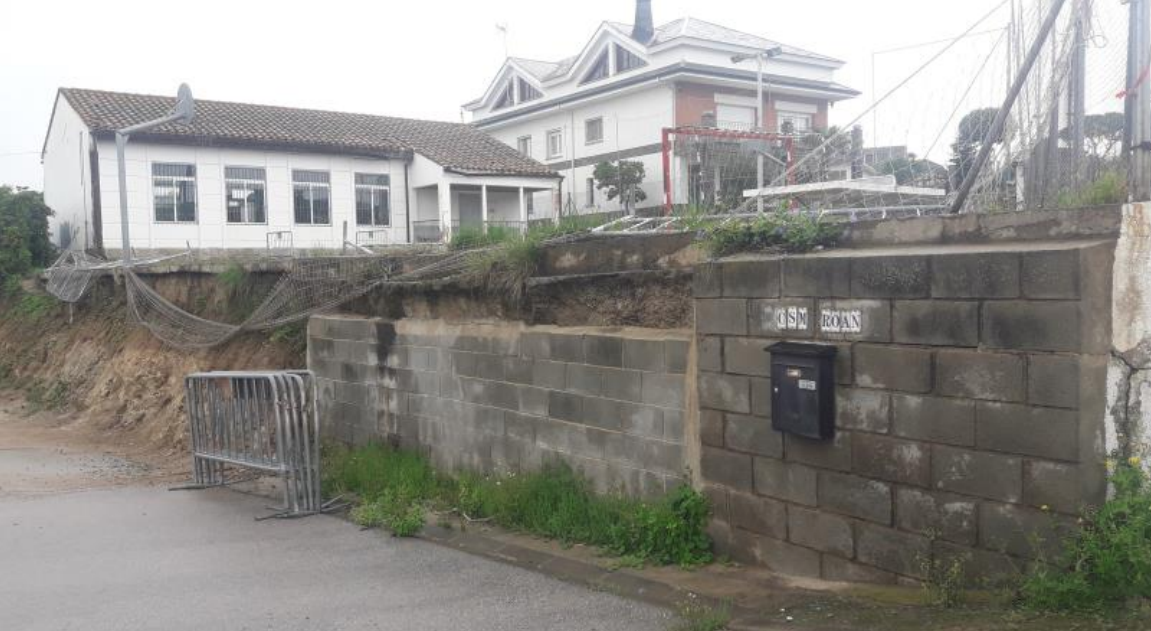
(455, 146)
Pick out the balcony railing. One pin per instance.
(427, 231)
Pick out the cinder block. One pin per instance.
(644, 355)
(855, 496)
(628, 417)
(817, 277)
(663, 390)
(565, 406)
(707, 281)
(891, 550)
(641, 453)
(518, 370)
(495, 394)
(1043, 432)
(936, 323)
(584, 379)
(822, 531)
(408, 380)
(950, 517)
(892, 368)
(1022, 531)
(535, 345)
(982, 568)
(835, 315)
(890, 277)
(1055, 486)
(980, 275)
(977, 473)
(603, 350)
(674, 426)
(565, 348)
(721, 317)
(344, 328)
(675, 356)
(711, 427)
(746, 356)
(624, 385)
(758, 514)
(717, 500)
(753, 435)
(1053, 380)
(710, 353)
(1033, 325)
(729, 393)
(761, 397)
(978, 375)
(786, 481)
(764, 318)
(935, 419)
(751, 279)
(785, 558)
(834, 454)
(1051, 275)
(521, 427)
(490, 367)
(726, 468)
(891, 459)
(842, 570)
(532, 400)
(549, 374)
(865, 410)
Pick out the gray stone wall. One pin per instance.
(505, 397)
(969, 407)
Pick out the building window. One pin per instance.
(555, 143)
(794, 122)
(738, 117)
(311, 197)
(593, 130)
(174, 193)
(507, 97)
(626, 60)
(600, 70)
(528, 92)
(524, 145)
(591, 192)
(244, 190)
(531, 204)
(373, 200)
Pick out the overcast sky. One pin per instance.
(418, 59)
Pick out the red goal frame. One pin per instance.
(668, 132)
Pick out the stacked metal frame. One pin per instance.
(264, 421)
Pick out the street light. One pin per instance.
(758, 56)
(183, 112)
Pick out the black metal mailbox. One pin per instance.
(803, 389)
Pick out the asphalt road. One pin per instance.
(139, 557)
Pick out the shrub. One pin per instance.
(1109, 188)
(782, 231)
(1109, 561)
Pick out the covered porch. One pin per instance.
(459, 202)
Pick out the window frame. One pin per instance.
(520, 144)
(781, 116)
(600, 68)
(175, 220)
(587, 122)
(231, 180)
(373, 189)
(555, 133)
(311, 198)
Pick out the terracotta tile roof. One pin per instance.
(454, 146)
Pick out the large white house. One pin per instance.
(612, 101)
(250, 176)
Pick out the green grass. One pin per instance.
(1109, 188)
(33, 307)
(557, 503)
(48, 396)
(1107, 565)
(293, 337)
(778, 231)
(699, 616)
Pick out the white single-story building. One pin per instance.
(243, 176)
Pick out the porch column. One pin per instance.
(484, 206)
(523, 209)
(445, 211)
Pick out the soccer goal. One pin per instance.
(708, 170)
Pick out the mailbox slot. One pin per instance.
(803, 389)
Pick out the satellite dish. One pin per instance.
(185, 105)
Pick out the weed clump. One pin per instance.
(1108, 563)
(778, 231)
(557, 503)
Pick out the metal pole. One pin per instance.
(125, 249)
(1138, 110)
(1077, 99)
(759, 125)
(997, 125)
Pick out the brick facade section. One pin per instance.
(963, 407)
(491, 398)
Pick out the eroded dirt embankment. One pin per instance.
(113, 379)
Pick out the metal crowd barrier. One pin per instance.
(265, 421)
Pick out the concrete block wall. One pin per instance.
(969, 407)
(507, 397)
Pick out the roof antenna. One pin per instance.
(502, 27)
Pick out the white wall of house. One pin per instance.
(631, 119)
(211, 228)
(67, 176)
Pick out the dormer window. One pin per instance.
(626, 60)
(600, 70)
(528, 92)
(507, 97)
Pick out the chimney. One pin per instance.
(643, 29)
